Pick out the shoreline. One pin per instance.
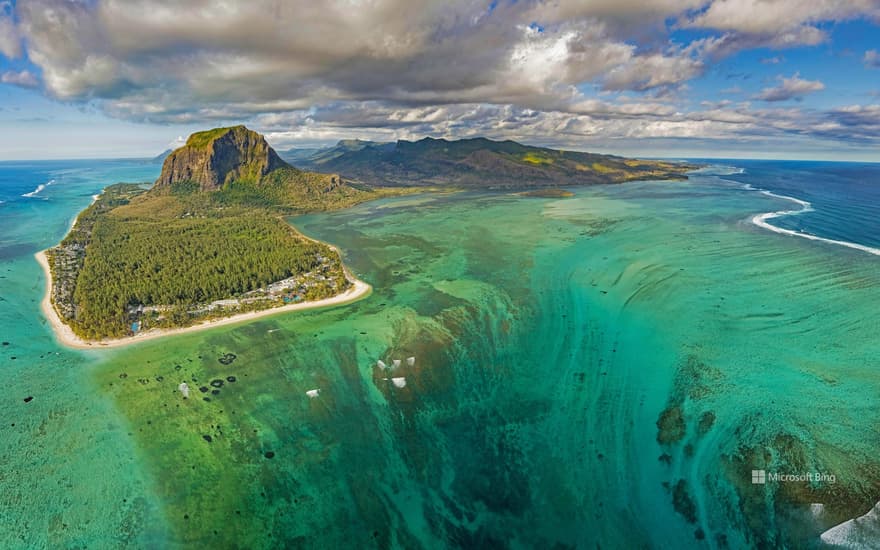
(66, 337)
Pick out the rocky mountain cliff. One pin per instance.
(216, 157)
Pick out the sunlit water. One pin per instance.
(549, 338)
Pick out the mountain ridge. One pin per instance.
(480, 162)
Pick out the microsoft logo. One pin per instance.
(761, 477)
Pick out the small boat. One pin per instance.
(399, 382)
(313, 393)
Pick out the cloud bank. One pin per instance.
(530, 69)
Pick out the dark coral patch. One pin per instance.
(682, 502)
(670, 425)
(707, 420)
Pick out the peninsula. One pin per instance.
(208, 242)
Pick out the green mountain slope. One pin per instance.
(481, 162)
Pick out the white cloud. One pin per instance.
(793, 87)
(162, 61)
(774, 17)
(650, 71)
(388, 69)
(25, 79)
(596, 124)
(777, 24)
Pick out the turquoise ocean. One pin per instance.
(611, 370)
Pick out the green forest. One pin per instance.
(183, 262)
(178, 249)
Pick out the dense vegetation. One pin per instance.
(134, 262)
(205, 138)
(66, 259)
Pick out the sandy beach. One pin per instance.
(66, 336)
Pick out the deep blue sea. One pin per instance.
(843, 197)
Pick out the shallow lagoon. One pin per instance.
(550, 336)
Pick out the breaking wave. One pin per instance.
(761, 220)
(39, 189)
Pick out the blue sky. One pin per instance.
(708, 78)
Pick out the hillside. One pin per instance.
(480, 162)
(207, 240)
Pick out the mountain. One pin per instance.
(296, 154)
(235, 166)
(481, 162)
(314, 157)
(160, 158)
(216, 157)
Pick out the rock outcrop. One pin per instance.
(213, 158)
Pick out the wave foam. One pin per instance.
(39, 189)
(761, 221)
(860, 532)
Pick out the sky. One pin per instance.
(787, 79)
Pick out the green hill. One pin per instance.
(481, 162)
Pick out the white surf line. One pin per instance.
(761, 221)
(39, 189)
(858, 532)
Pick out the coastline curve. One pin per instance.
(66, 337)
